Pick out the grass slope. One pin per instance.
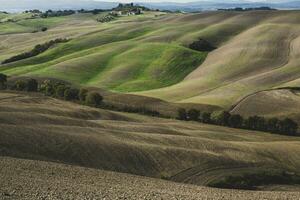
(42, 128)
(147, 54)
(285, 103)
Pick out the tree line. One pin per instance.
(63, 91)
(66, 92)
(38, 49)
(58, 90)
(223, 118)
(58, 13)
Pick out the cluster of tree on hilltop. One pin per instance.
(130, 7)
(51, 13)
(38, 49)
(223, 118)
(248, 9)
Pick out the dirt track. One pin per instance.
(25, 179)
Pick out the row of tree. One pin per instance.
(58, 13)
(66, 92)
(63, 91)
(38, 49)
(55, 89)
(274, 125)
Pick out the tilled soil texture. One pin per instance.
(27, 179)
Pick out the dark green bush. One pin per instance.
(235, 121)
(71, 94)
(182, 115)
(82, 94)
(205, 117)
(273, 125)
(32, 85)
(44, 29)
(193, 114)
(60, 91)
(201, 45)
(222, 118)
(93, 99)
(3, 81)
(20, 85)
(256, 123)
(288, 127)
(47, 87)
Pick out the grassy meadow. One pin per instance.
(149, 55)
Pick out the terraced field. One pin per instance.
(149, 55)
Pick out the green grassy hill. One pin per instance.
(149, 55)
(42, 128)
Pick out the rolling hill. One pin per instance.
(148, 54)
(146, 61)
(66, 182)
(41, 128)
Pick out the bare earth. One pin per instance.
(26, 179)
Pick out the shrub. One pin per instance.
(205, 117)
(221, 118)
(93, 99)
(182, 115)
(201, 45)
(44, 29)
(3, 81)
(47, 87)
(235, 121)
(193, 114)
(288, 127)
(60, 91)
(20, 85)
(82, 94)
(273, 125)
(32, 85)
(256, 123)
(71, 94)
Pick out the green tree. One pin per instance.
(235, 121)
(205, 117)
(193, 114)
(3, 81)
(71, 94)
(182, 115)
(60, 91)
(32, 85)
(93, 99)
(288, 127)
(273, 125)
(20, 85)
(47, 87)
(222, 118)
(256, 123)
(82, 94)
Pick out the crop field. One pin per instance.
(42, 128)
